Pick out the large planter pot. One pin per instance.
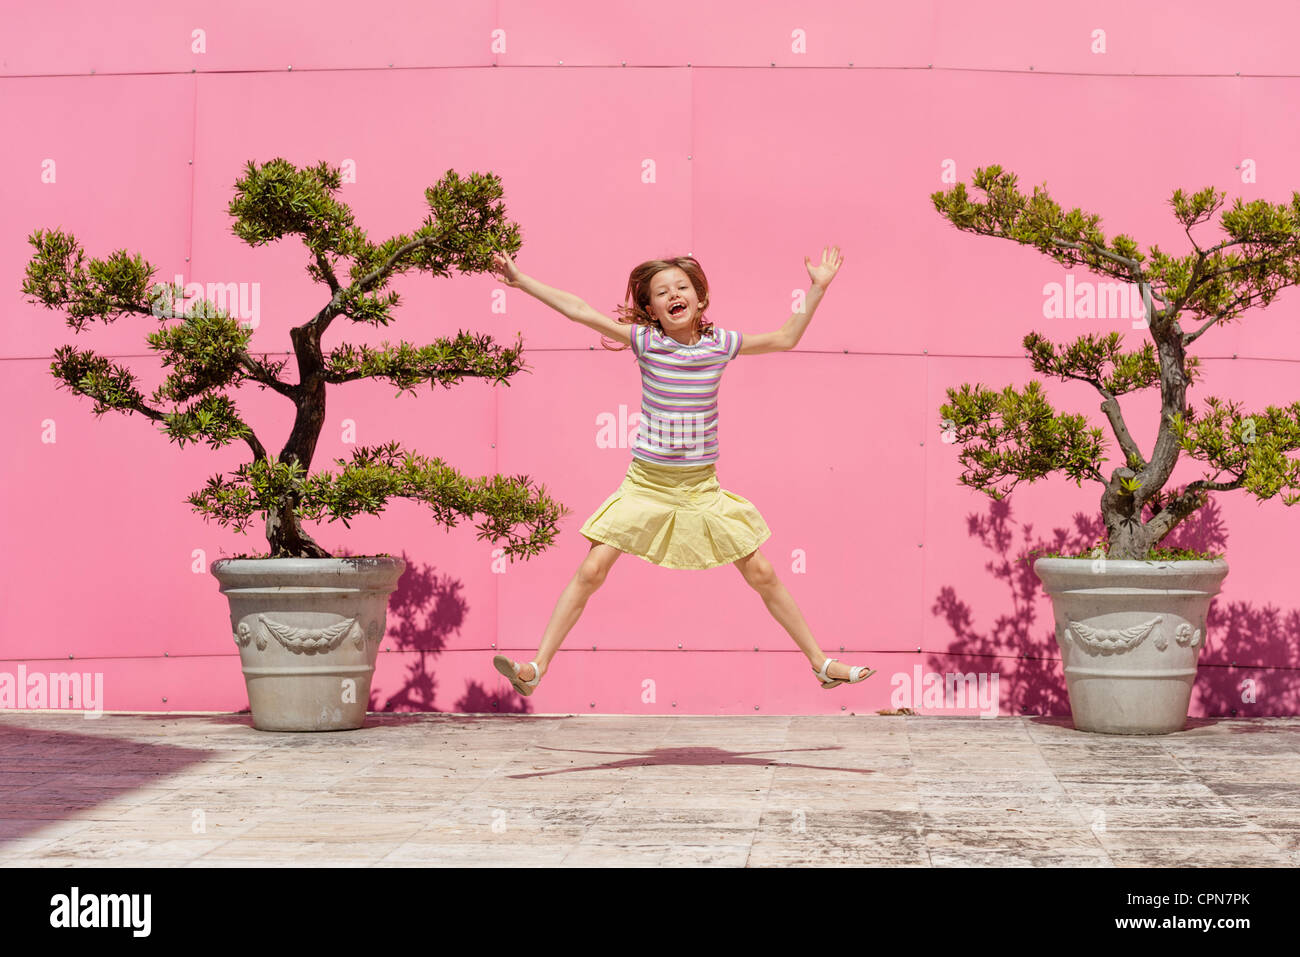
(308, 631)
(1130, 634)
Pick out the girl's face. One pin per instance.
(673, 301)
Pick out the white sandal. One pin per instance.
(856, 674)
(511, 670)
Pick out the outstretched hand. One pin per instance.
(823, 273)
(505, 268)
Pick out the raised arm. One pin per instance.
(565, 303)
(788, 336)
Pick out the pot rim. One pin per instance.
(357, 562)
(1189, 564)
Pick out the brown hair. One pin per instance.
(638, 294)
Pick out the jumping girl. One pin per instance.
(670, 509)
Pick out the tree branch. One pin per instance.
(340, 378)
(1133, 265)
(259, 373)
(1236, 304)
(321, 321)
(1126, 442)
(328, 272)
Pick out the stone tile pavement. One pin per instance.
(616, 790)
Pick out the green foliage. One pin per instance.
(213, 418)
(1252, 447)
(376, 474)
(1017, 436)
(1089, 355)
(207, 354)
(84, 373)
(1034, 220)
(1259, 257)
(445, 362)
(58, 277)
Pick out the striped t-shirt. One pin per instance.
(679, 395)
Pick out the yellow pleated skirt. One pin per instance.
(678, 517)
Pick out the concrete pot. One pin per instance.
(308, 631)
(1130, 634)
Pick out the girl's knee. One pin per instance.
(594, 568)
(758, 571)
(591, 574)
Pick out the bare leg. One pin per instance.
(568, 609)
(762, 578)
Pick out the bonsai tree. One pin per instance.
(1018, 436)
(208, 355)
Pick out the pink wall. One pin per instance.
(762, 154)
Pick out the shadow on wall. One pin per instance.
(422, 612)
(1241, 660)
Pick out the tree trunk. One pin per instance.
(283, 532)
(286, 537)
(1121, 510)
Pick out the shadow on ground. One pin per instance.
(690, 758)
(46, 776)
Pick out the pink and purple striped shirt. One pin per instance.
(679, 395)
